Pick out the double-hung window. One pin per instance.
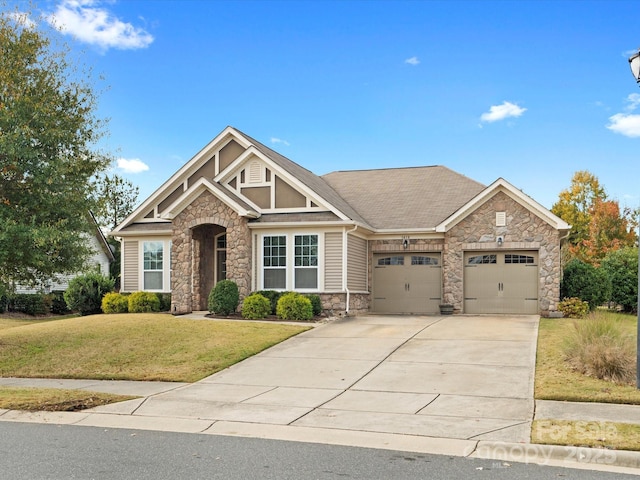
(153, 253)
(275, 261)
(305, 259)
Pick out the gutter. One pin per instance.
(344, 266)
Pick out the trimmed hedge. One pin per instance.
(255, 307)
(586, 282)
(143, 302)
(85, 293)
(29, 303)
(273, 296)
(224, 298)
(115, 303)
(316, 303)
(293, 306)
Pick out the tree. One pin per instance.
(597, 224)
(622, 268)
(48, 131)
(575, 203)
(115, 198)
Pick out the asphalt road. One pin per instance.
(37, 451)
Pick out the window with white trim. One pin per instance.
(153, 272)
(274, 257)
(305, 259)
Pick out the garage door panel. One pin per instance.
(501, 282)
(410, 284)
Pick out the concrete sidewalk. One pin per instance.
(457, 385)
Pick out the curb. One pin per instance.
(557, 455)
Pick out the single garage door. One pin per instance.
(501, 282)
(407, 283)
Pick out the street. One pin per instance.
(40, 451)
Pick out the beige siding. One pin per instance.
(287, 196)
(131, 265)
(333, 261)
(229, 153)
(356, 264)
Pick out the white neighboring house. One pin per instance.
(101, 258)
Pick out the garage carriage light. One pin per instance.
(634, 63)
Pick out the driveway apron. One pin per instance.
(461, 377)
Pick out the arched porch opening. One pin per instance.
(209, 261)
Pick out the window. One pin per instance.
(391, 261)
(481, 259)
(511, 258)
(274, 256)
(422, 260)
(305, 259)
(152, 265)
(221, 257)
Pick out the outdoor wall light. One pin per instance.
(500, 240)
(405, 242)
(634, 63)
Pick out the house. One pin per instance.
(100, 259)
(397, 240)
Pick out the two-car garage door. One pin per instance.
(494, 282)
(407, 283)
(501, 282)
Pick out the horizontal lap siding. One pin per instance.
(356, 264)
(130, 272)
(333, 261)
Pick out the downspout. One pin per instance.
(345, 245)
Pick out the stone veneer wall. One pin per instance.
(207, 209)
(523, 231)
(334, 303)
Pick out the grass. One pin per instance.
(133, 347)
(609, 435)
(557, 380)
(54, 399)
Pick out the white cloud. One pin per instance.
(626, 124)
(412, 61)
(500, 112)
(275, 140)
(132, 165)
(90, 23)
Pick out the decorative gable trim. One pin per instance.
(501, 185)
(203, 185)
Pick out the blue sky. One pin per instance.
(527, 91)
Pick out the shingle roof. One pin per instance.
(404, 198)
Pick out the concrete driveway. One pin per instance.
(457, 377)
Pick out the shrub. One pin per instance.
(573, 308)
(115, 303)
(4, 298)
(255, 306)
(85, 293)
(585, 282)
(293, 306)
(224, 298)
(143, 302)
(165, 301)
(622, 268)
(29, 303)
(273, 297)
(316, 304)
(58, 305)
(598, 348)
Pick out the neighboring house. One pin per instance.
(100, 259)
(397, 240)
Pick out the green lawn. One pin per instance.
(132, 346)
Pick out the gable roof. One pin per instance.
(501, 185)
(413, 198)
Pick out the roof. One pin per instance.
(404, 198)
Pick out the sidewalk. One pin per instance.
(443, 385)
